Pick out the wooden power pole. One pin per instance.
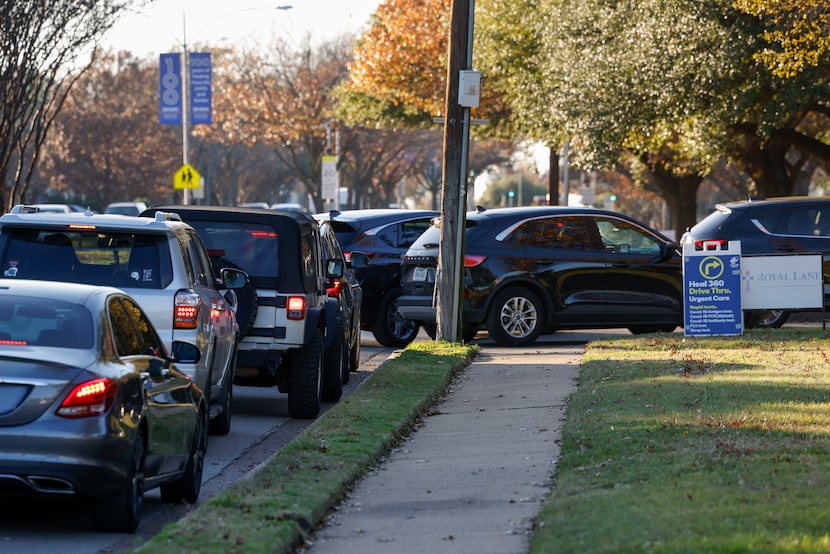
(454, 187)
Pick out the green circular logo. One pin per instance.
(711, 267)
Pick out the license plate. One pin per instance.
(420, 274)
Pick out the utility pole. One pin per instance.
(454, 187)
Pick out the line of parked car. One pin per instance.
(122, 337)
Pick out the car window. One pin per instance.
(199, 261)
(27, 320)
(253, 247)
(133, 333)
(811, 222)
(565, 233)
(620, 236)
(95, 257)
(411, 230)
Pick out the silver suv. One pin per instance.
(159, 261)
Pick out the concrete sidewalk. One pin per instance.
(472, 478)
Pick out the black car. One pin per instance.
(349, 293)
(533, 270)
(384, 235)
(789, 225)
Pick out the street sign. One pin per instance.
(712, 279)
(170, 89)
(187, 178)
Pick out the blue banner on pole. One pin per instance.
(170, 89)
(201, 111)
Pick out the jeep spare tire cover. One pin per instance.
(246, 297)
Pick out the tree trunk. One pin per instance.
(553, 176)
(680, 193)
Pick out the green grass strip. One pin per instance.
(274, 510)
(676, 445)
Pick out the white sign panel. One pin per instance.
(782, 282)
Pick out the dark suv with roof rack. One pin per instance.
(287, 321)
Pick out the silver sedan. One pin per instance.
(91, 405)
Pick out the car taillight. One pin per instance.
(473, 261)
(334, 290)
(88, 399)
(186, 311)
(712, 244)
(296, 307)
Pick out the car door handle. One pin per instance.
(217, 306)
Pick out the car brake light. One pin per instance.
(88, 399)
(186, 311)
(334, 290)
(713, 244)
(473, 261)
(296, 307)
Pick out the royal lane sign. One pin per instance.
(782, 282)
(712, 301)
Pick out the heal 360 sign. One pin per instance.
(171, 98)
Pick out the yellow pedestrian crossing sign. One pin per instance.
(187, 178)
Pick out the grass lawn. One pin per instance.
(276, 507)
(690, 444)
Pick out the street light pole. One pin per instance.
(185, 97)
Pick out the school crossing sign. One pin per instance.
(712, 277)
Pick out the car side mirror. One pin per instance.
(334, 268)
(668, 249)
(360, 260)
(233, 278)
(185, 352)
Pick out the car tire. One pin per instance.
(334, 364)
(121, 512)
(304, 379)
(390, 329)
(188, 486)
(468, 332)
(354, 355)
(246, 298)
(515, 317)
(221, 424)
(765, 319)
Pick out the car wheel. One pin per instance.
(221, 424)
(334, 364)
(765, 319)
(354, 354)
(121, 512)
(246, 298)
(187, 488)
(468, 332)
(515, 317)
(391, 329)
(304, 379)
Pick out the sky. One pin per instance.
(166, 25)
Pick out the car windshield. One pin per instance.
(94, 257)
(30, 321)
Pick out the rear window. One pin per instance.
(253, 247)
(94, 257)
(27, 320)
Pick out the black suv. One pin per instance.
(384, 235)
(534, 270)
(287, 321)
(789, 225)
